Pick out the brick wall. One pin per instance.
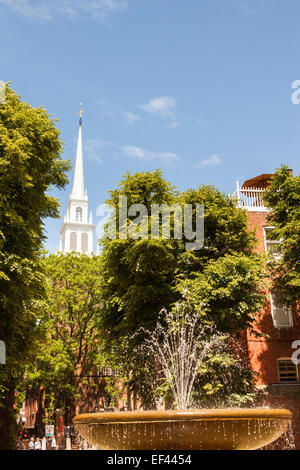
(264, 351)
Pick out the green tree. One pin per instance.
(225, 229)
(140, 277)
(283, 199)
(68, 351)
(137, 274)
(228, 291)
(30, 164)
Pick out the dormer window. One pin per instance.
(79, 214)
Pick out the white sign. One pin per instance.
(49, 430)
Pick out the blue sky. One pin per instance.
(198, 88)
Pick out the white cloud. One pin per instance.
(138, 152)
(162, 106)
(131, 118)
(211, 161)
(45, 9)
(94, 149)
(31, 10)
(117, 113)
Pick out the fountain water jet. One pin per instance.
(181, 345)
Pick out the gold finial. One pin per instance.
(80, 114)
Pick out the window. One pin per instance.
(79, 214)
(287, 371)
(84, 242)
(73, 241)
(281, 312)
(108, 372)
(272, 247)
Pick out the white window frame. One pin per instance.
(79, 214)
(273, 242)
(107, 371)
(278, 371)
(290, 325)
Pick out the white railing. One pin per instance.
(250, 199)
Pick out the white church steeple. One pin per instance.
(78, 185)
(77, 230)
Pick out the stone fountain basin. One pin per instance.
(218, 429)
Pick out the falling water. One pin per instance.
(181, 343)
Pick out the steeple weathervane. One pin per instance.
(80, 114)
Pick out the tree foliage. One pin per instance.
(30, 164)
(137, 274)
(283, 199)
(69, 349)
(228, 291)
(143, 276)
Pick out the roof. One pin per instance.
(261, 181)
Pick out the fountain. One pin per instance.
(239, 429)
(181, 344)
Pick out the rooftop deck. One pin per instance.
(250, 199)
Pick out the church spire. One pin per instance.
(78, 185)
(77, 230)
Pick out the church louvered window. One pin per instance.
(84, 242)
(73, 241)
(79, 214)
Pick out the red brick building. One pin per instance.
(270, 355)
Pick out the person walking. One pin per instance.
(37, 444)
(31, 444)
(53, 443)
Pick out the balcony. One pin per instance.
(249, 198)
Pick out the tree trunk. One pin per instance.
(8, 418)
